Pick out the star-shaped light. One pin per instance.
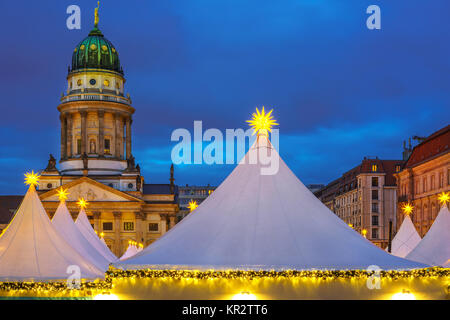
(192, 205)
(62, 194)
(102, 235)
(82, 203)
(262, 122)
(444, 197)
(407, 209)
(31, 178)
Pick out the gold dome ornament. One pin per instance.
(104, 48)
(96, 17)
(82, 47)
(93, 47)
(106, 83)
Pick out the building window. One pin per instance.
(107, 146)
(107, 226)
(374, 194)
(128, 226)
(433, 186)
(441, 179)
(424, 184)
(398, 168)
(78, 146)
(374, 168)
(153, 227)
(374, 233)
(375, 207)
(374, 181)
(375, 220)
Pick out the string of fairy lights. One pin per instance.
(117, 274)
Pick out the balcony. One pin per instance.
(95, 97)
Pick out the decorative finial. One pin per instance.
(96, 14)
(32, 178)
(262, 122)
(62, 194)
(192, 205)
(82, 203)
(444, 197)
(407, 209)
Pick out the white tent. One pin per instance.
(434, 248)
(31, 248)
(64, 224)
(255, 220)
(130, 252)
(88, 232)
(406, 238)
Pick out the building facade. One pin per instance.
(96, 154)
(365, 198)
(424, 175)
(188, 193)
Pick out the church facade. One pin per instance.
(96, 153)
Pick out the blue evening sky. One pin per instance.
(339, 91)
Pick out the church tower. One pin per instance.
(95, 114)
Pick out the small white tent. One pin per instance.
(31, 248)
(88, 232)
(130, 252)
(262, 221)
(434, 248)
(406, 238)
(64, 224)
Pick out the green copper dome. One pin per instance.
(95, 52)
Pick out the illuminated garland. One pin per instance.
(112, 274)
(250, 275)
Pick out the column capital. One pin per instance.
(140, 215)
(83, 113)
(117, 214)
(96, 214)
(101, 113)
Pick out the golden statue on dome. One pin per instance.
(96, 14)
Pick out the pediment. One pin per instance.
(90, 190)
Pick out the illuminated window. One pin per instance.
(107, 146)
(374, 168)
(128, 226)
(107, 226)
(397, 168)
(153, 227)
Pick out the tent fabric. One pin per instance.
(64, 224)
(84, 226)
(434, 248)
(406, 239)
(130, 252)
(256, 221)
(32, 250)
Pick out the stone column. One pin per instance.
(62, 118)
(117, 134)
(117, 228)
(171, 221)
(128, 125)
(140, 227)
(163, 224)
(83, 132)
(69, 135)
(97, 226)
(101, 132)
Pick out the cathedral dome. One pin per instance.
(95, 52)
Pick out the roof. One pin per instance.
(348, 182)
(158, 189)
(433, 146)
(8, 205)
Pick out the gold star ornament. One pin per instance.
(62, 194)
(261, 122)
(192, 205)
(31, 178)
(444, 198)
(82, 203)
(407, 209)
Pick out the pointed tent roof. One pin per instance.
(406, 238)
(130, 252)
(88, 232)
(255, 220)
(434, 248)
(63, 223)
(31, 248)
